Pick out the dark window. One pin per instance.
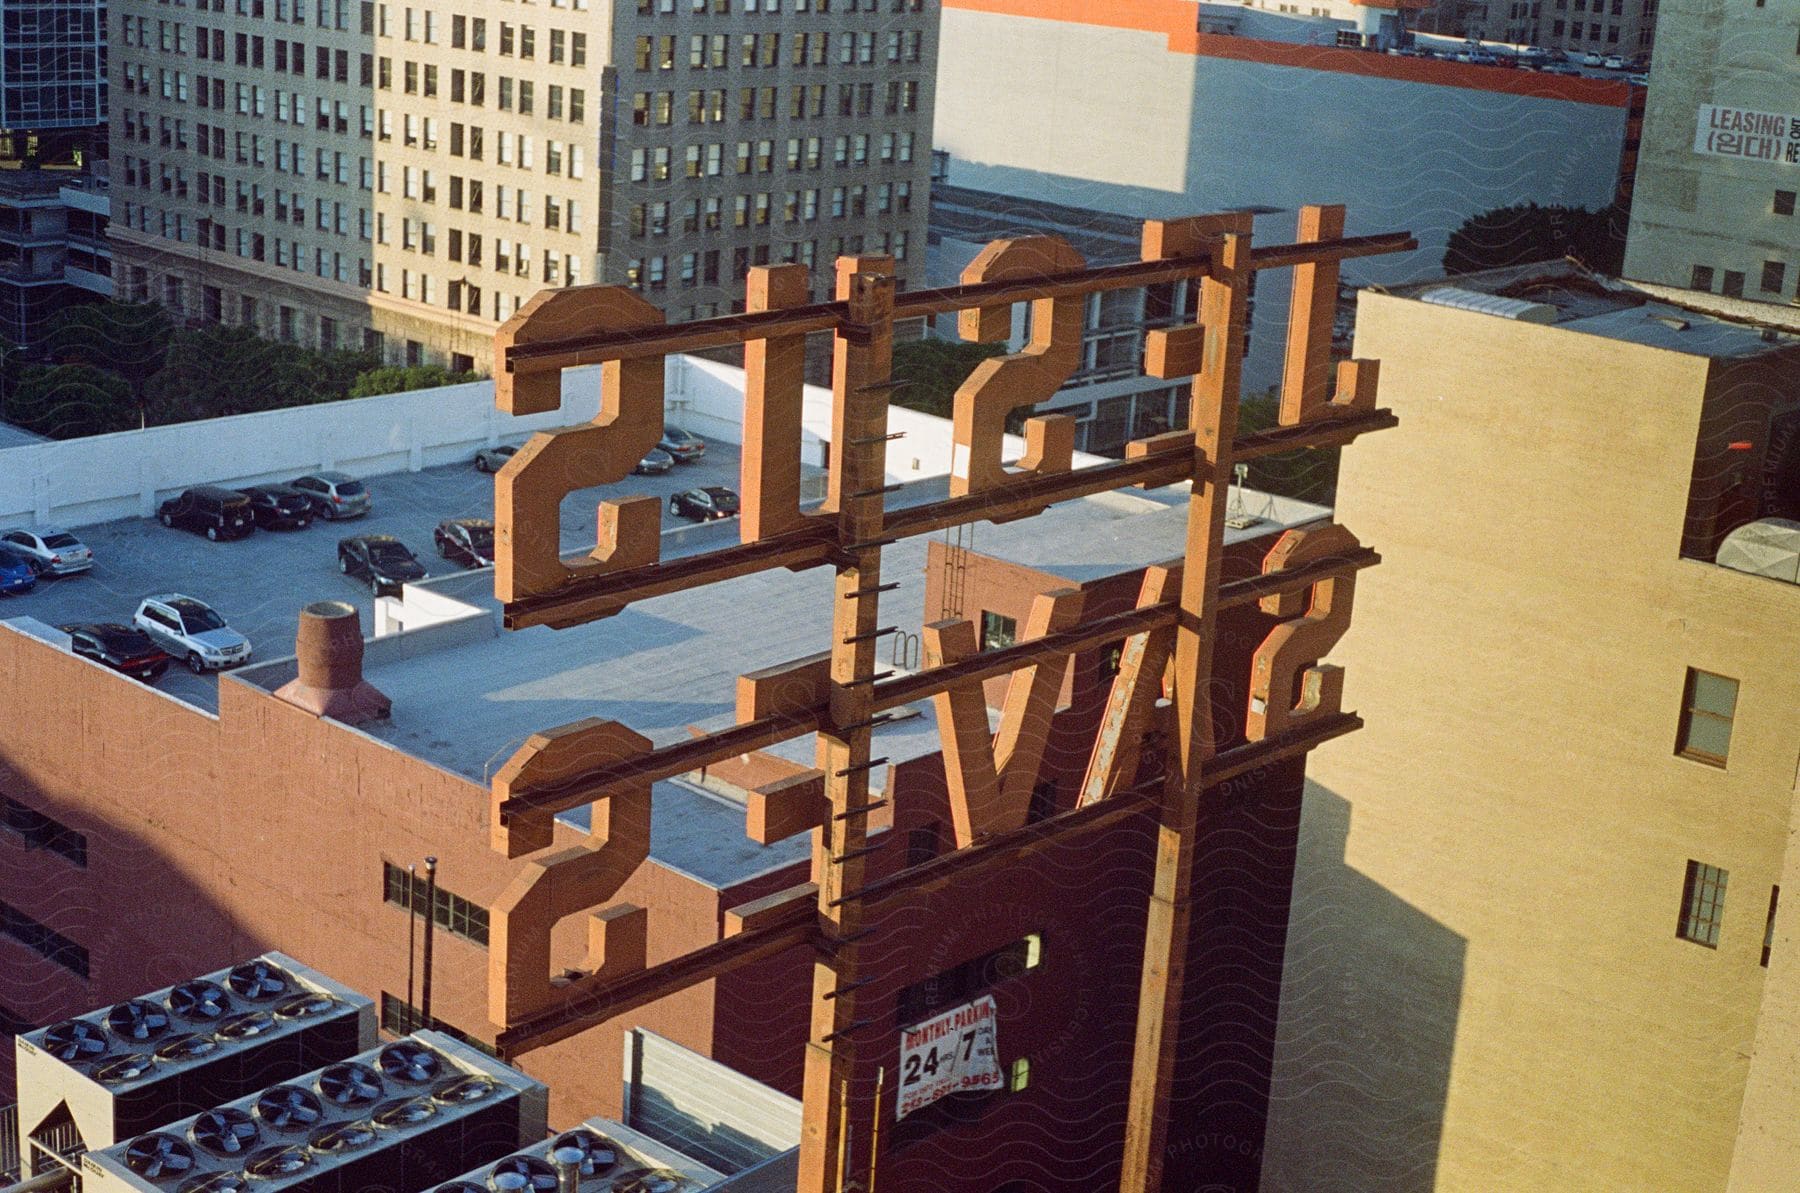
(1702, 904)
(402, 1018)
(922, 844)
(1774, 276)
(43, 940)
(1703, 278)
(41, 832)
(997, 631)
(1769, 926)
(1784, 202)
(1043, 802)
(1734, 284)
(1707, 707)
(960, 983)
(453, 913)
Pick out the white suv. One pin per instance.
(191, 631)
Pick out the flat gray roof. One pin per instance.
(671, 663)
(1656, 317)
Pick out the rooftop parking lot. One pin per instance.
(260, 583)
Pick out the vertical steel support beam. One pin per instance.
(1214, 418)
(862, 362)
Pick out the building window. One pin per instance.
(1702, 279)
(1734, 284)
(402, 1018)
(1706, 711)
(1774, 276)
(1784, 202)
(453, 913)
(44, 941)
(1702, 904)
(998, 632)
(960, 983)
(1769, 926)
(1019, 1075)
(921, 844)
(40, 832)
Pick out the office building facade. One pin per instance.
(1719, 167)
(353, 174)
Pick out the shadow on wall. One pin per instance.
(182, 934)
(1368, 1026)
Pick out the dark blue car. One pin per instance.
(16, 572)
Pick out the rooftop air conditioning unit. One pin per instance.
(609, 1158)
(401, 1117)
(119, 1072)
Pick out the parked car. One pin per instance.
(703, 505)
(279, 507)
(1561, 68)
(467, 540)
(654, 464)
(382, 560)
(1591, 58)
(16, 572)
(120, 647)
(50, 551)
(685, 446)
(207, 509)
(1613, 62)
(493, 459)
(335, 494)
(192, 631)
(1638, 80)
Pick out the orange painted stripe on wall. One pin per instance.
(1174, 19)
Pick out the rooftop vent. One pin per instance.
(1770, 547)
(402, 1117)
(329, 650)
(1489, 304)
(126, 1069)
(605, 1156)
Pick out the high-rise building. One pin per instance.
(52, 67)
(1719, 167)
(401, 177)
(1536, 937)
(1623, 27)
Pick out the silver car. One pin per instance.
(49, 551)
(334, 494)
(191, 631)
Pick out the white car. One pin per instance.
(1613, 62)
(191, 631)
(50, 551)
(1593, 59)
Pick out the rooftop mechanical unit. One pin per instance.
(405, 1116)
(607, 1156)
(118, 1072)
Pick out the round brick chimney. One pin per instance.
(329, 651)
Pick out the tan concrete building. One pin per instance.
(348, 174)
(1623, 27)
(1543, 953)
(1719, 167)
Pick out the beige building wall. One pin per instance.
(1520, 658)
(1728, 225)
(420, 173)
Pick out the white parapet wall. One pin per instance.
(74, 482)
(77, 482)
(707, 398)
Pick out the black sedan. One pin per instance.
(382, 560)
(279, 507)
(654, 464)
(120, 647)
(469, 541)
(703, 505)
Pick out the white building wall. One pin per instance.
(1115, 120)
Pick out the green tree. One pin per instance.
(933, 369)
(1523, 233)
(216, 371)
(1307, 474)
(128, 339)
(393, 379)
(68, 401)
